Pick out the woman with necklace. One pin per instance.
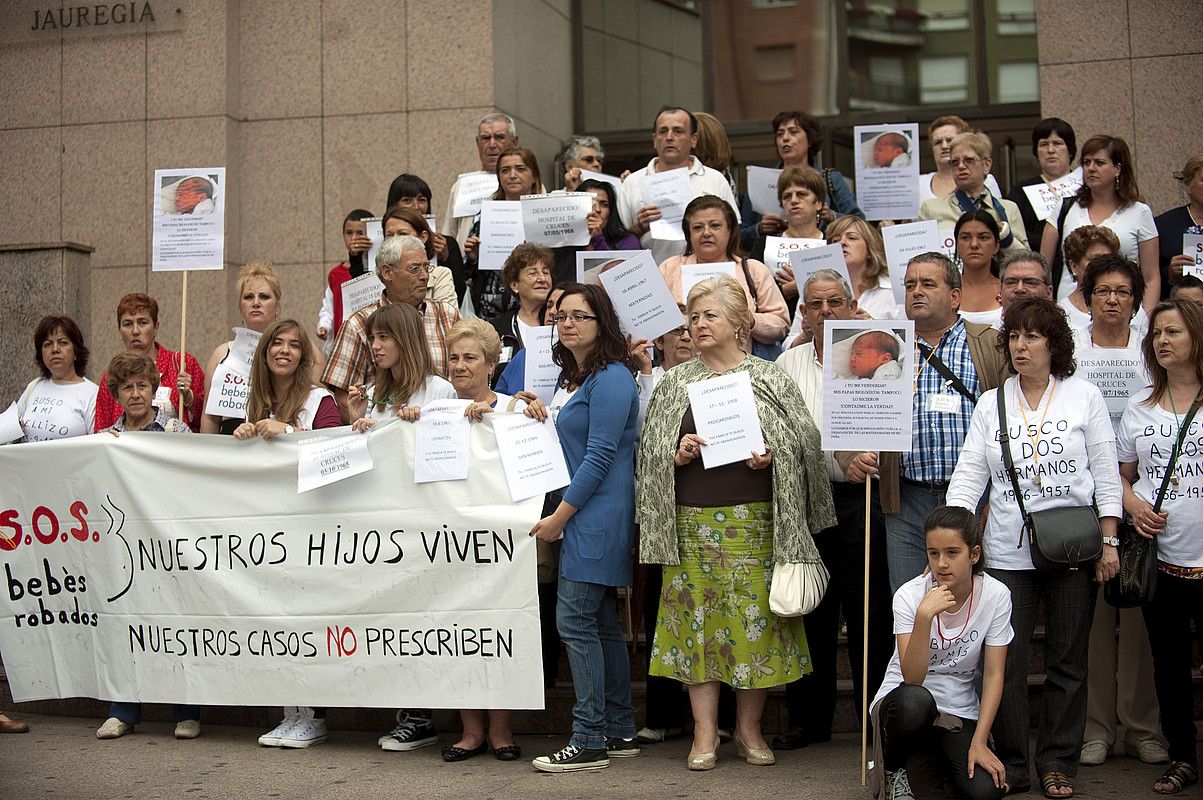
(1063, 448)
(950, 623)
(1121, 677)
(977, 236)
(528, 276)
(1174, 223)
(1054, 146)
(1156, 419)
(720, 531)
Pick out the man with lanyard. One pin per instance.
(957, 361)
(402, 266)
(972, 162)
(811, 699)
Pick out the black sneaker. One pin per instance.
(622, 748)
(572, 759)
(410, 734)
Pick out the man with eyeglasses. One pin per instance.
(958, 361)
(1023, 273)
(583, 152)
(403, 268)
(971, 163)
(811, 699)
(495, 134)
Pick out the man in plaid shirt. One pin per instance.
(402, 266)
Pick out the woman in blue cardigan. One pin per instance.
(595, 411)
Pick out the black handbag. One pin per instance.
(1060, 539)
(1133, 585)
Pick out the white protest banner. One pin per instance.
(644, 304)
(360, 292)
(556, 220)
(904, 242)
(188, 219)
(374, 229)
(590, 264)
(231, 383)
(868, 385)
(778, 248)
(539, 372)
(10, 425)
(1119, 372)
(1192, 245)
(670, 192)
(326, 459)
(441, 448)
(531, 452)
(762, 191)
(693, 274)
(500, 232)
(1046, 197)
(724, 411)
(887, 170)
(474, 189)
(590, 175)
(239, 591)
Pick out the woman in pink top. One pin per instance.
(711, 237)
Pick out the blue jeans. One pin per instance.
(906, 545)
(131, 713)
(587, 618)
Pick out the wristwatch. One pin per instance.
(1111, 540)
(290, 429)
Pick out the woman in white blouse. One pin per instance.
(1063, 449)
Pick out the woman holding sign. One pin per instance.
(1161, 433)
(62, 402)
(800, 191)
(1177, 222)
(284, 400)
(517, 174)
(712, 237)
(720, 531)
(1062, 446)
(595, 411)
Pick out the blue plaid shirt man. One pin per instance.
(938, 436)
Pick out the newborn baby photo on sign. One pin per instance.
(873, 355)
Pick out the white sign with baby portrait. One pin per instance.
(868, 385)
(887, 170)
(188, 219)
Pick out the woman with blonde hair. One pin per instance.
(720, 531)
(1172, 224)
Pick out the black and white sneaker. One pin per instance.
(572, 759)
(622, 748)
(411, 733)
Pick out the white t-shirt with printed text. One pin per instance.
(59, 410)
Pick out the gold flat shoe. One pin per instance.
(757, 757)
(700, 762)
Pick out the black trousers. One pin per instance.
(907, 717)
(811, 699)
(1167, 618)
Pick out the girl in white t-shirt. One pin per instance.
(949, 623)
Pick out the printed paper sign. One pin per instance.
(231, 383)
(807, 262)
(540, 373)
(531, 453)
(1192, 245)
(778, 248)
(557, 220)
(693, 274)
(188, 222)
(904, 242)
(10, 425)
(762, 191)
(441, 448)
(474, 189)
(163, 602)
(645, 306)
(724, 411)
(887, 170)
(360, 292)
(500, 232)
(1046, 197)
(670, 192)
(590, 175)
(868, 385)
(330, 459)
(374, 230)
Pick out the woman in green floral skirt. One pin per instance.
(720, 531)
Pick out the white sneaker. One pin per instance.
(273, 737)
(113, 728)
(307, 731)
(1094, 753)
(187, 729)
(656, 735)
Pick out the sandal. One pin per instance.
(1056, 780)
(1179, 775)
